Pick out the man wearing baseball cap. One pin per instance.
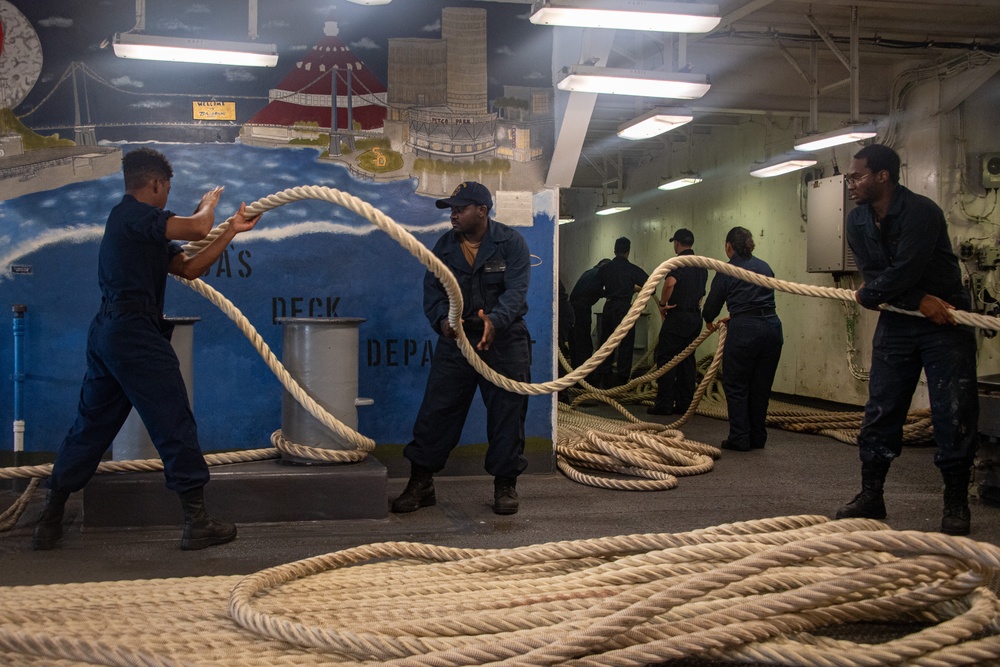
(491, 263)
(680, 309)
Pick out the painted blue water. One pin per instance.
(304, 259)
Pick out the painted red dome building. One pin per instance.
(302, 101)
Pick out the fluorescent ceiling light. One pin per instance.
(655, 122)
(681, 182)
(178, 49)
(679, 85)
(632, 15)
(783, 164)
(614, 207)
(566, 219)
(845, 135)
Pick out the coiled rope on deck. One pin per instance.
(745, 591)
(773, 591)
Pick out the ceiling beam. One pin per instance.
(573, 118)
(956, 89)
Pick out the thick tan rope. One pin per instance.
(642, 456)
(362, 444)
(641, 599)
(450, 284)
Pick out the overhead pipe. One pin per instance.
(18, 377)
(855, 66)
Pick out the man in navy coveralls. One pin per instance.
(491, 263)
(901, 244)
(130, 361)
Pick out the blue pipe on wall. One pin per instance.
(18, 377)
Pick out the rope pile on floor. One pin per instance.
(766, 591)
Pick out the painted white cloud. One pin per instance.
(126, 82)
(276, 24)
(274, 234)
(150, 104)
(174, 25)
(298, 47)
(364, 44)
(72, 234)
(505, 51)
(239, 75)
(198, 9)
(56, 22)
(432, 27)
(535, 74)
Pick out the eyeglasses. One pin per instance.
(854, 180)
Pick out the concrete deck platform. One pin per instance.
(253, 492)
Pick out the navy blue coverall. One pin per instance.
(753, 348)
(681, 325)
(497, 284)
(130, 361)
(587, 291)
(908, 256)
(619, 278)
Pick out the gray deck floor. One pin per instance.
(795, 474)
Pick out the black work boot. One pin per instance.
(504, 495)
(956, 518)
(419, 492)
(869, 504)
(201, 530)
(48, 526)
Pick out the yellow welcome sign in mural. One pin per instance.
(214, 110)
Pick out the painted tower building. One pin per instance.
(459, 123)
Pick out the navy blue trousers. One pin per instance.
(675, 388)
(749, 362)
(130, 362)
(452, 384)
(612, 315)
(581, 343)
(901, 347)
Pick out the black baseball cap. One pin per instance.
(683, 236)
(467, 193)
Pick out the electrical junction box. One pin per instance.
(827, 207)
(991, 171)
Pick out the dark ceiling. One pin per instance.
(758, 59)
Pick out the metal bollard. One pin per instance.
(133, 441)
(321, 353)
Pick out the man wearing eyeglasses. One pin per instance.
(491, 263)
(900, 241)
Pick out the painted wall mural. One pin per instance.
(394, 104)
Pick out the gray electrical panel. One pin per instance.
(827, 207)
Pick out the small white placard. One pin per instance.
(513, 207)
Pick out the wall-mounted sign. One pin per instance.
(20, 269)
(214, 110)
